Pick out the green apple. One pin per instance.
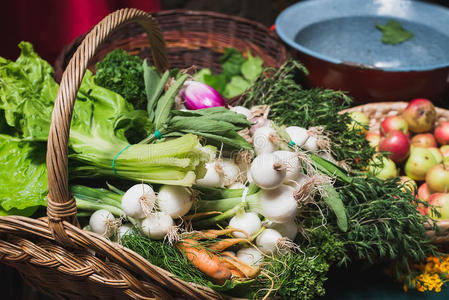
(437, 178)
(360, 122)
(445, 150)
(441, 203)
(437, 154)
(383, 168)
(419, 162)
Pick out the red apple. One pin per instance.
(393, 123)
(420, 115)
(442, 133)
(398, 144)
(423, 195)
(424, 192)
(441, 203)
(424, 140)
(437, 178)
(373, 139)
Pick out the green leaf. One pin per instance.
(199, 76)
(101, 119)
(27, 93)
(329, 168)
(238, 85)
(212, 130)
(165, 103)
(218, 113)
(252, 67)
(154, 86)
(231, 61)
(393, 33)
(218, 82)
(23, 176)
(333, 200)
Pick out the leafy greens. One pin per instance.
(23, 176)
(393, 33)
(238, 73)
(27, 93)
(122, 73)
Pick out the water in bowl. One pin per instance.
(357, 40)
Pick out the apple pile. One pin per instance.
(418, 150)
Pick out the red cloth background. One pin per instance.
(51, 24)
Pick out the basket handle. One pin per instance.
(60, 205)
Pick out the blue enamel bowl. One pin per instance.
(338, 42)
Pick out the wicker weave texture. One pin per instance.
(377, 112)
(193, 38)
(54, 254)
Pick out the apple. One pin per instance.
(393, 123)
(373, 139)
(419, 162)
(397, 143)
(424, 140)
(442, 133)
(440, 201)
(437, 154)
(437, 178)
(424, 192)
(382, 167)
(359, 121)
(407, 184)
(420, 115)
(445, 150)
(423, 195)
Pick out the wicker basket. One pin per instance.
(53, 254)
(377, 112)
(193, 38)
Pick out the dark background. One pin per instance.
(354, 283)
(263, 11)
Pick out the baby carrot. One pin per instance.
(226, 243)
(247, 270)
(206, 262)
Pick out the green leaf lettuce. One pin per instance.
(27, 93)
(23, 176)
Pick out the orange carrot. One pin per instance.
(211, 234)
(237, 274)
(234, 271)
(247, 270)
(224, 244)
(206, 262)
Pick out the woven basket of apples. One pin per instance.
(416, 135)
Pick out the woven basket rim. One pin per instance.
(284, 51)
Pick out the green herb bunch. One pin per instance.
(302, 274)
(122, 73)
(291, 104)
(165, 256)
(384, 224)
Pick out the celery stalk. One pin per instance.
(175, 162)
